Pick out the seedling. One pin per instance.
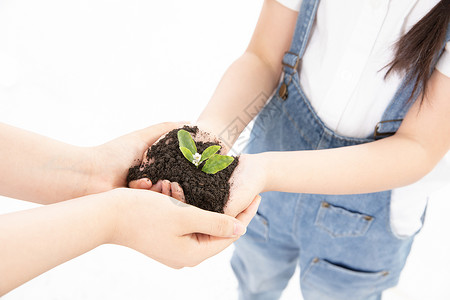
(213, 162)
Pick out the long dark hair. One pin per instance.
(417, 51)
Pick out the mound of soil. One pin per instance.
(206, 191)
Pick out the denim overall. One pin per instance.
(343, 243)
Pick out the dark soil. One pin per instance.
(206, 191)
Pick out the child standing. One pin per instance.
(351, 120)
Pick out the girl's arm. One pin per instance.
(39, 169)
(419, 144)
(36, 240)
(251, 79)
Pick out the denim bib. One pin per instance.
(343, 243)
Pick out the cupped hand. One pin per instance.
(166, 187)
(247, 181)
(110, 162)
(171, 232)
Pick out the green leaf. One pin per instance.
(210, 151)
(187, 153)
(186, 140)
(217, 163)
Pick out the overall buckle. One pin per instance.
(378, 134)
(297, 60)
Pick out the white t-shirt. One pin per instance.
(342, 76)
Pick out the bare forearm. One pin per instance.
(37, 168)
(372, 167)
(240, 94)
(34, 241)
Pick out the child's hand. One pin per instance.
(247, 181)
(172, 189)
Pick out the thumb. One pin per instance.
(247, 215)
(215, 224)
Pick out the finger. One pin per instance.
(247, 215)
(144, 161)
(177, 192)
(165, 189)
(157, 187)
(214, 224)
(214, 244)
(143, 184)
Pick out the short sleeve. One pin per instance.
(443, 64)
(292, 4)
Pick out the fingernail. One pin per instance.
(239, 229)
(145, 184)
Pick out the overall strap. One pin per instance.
(303, 27)
(399, 105)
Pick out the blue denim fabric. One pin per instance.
(343, 243)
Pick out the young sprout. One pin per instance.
(196, 160)
(214, 162)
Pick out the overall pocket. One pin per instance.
(339, 282)
(340, 222)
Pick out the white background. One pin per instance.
(87, 71)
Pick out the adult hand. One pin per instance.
(111, 161)
(171, 232)
(56, 171)
(176, 234)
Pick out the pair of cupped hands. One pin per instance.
(153, 219)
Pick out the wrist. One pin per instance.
(259, 163)
(263, 160)
(113, 211)
(206, 125)
(96, 215)
(73, 173)
(97, 180)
